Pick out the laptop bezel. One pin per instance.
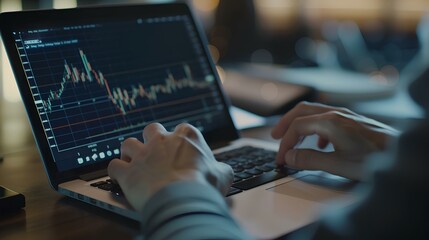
(24, 20)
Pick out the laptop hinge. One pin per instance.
(93, 175)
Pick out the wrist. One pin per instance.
(178, 199)
(151, 188)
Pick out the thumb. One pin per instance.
(306, 159)
(225, 179)
(117, 169)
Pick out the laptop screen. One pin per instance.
(99, 82)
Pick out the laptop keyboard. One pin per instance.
(252, 167)
(109, 185)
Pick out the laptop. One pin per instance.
(92, 77)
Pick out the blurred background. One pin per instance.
(359, 54)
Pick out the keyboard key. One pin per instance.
(233, 191)
(254, 171)
(99, 183)
(231, 162)
(237, 169)
(116, 189)
(268, 159)
(244, 175)
(272, 165)
(241, 160)
(106, 186)
(237, 179)
(248, 165)
(259, 162)
(265, 168)
(221, 158)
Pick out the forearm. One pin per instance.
(188, 210)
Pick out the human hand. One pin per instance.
(353, 137)
(164, 158)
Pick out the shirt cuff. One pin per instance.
(185, 198)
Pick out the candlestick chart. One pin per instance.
(123, 99)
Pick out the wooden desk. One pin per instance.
(49, 215)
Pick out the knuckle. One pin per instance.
(331, 120)
(182, 126)
(151, 126)
(295, 127)
(334, 116)
(344, 110)
(127, 142)
(154, 130)
(131, 147)
(187, 130)
(303, 105)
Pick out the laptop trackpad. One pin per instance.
(315, 188)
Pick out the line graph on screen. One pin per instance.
(124, 99)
